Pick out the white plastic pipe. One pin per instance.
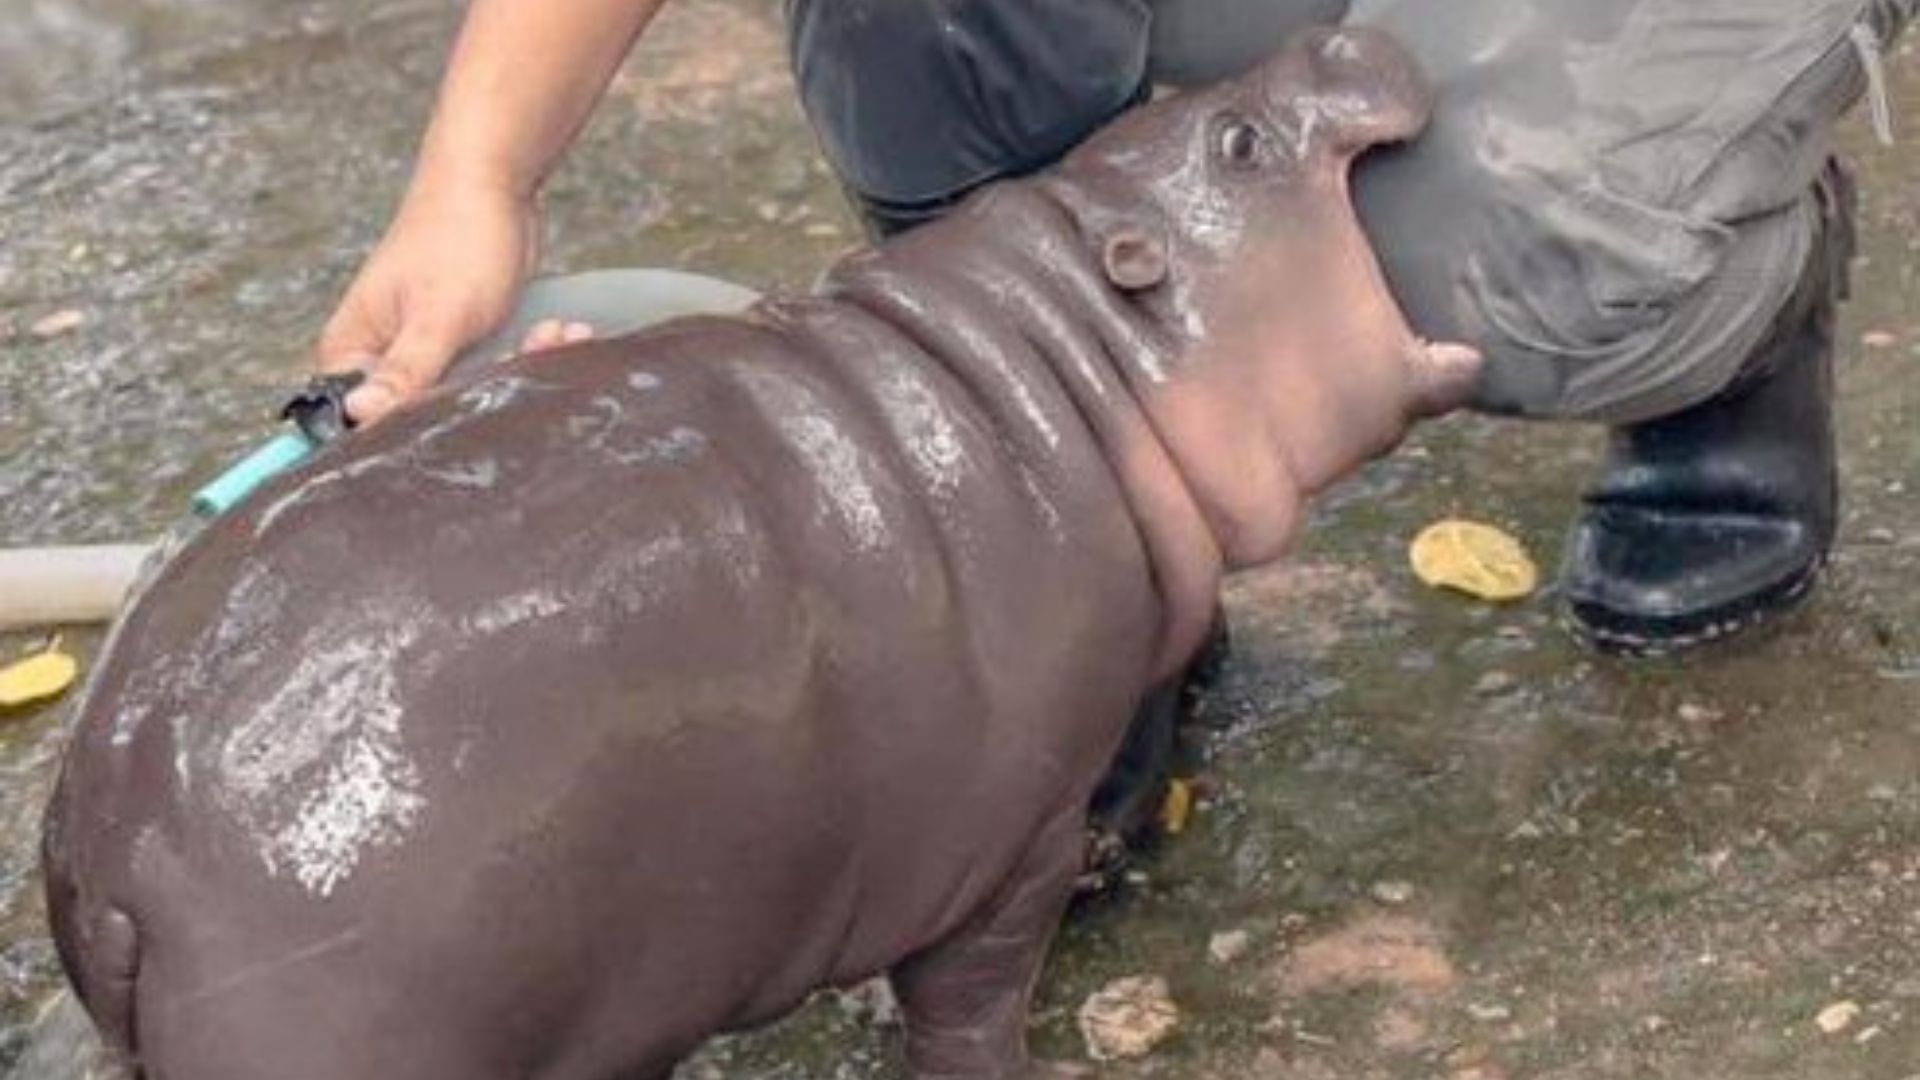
(55, 586)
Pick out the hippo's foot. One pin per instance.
(1717, 518)
(965, 998)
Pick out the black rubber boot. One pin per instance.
(1125, 811)
(1714, 519)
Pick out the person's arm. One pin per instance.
(521, 83)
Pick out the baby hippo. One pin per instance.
(627, 694)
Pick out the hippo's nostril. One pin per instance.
(1370, 88)
(1342, 47)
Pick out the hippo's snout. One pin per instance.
(1366, 87)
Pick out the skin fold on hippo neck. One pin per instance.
(1006, 294)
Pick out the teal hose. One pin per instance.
(274, 457)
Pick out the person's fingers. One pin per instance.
(1445, 376)
(542, 335)
(553, 333)
(350, 340)
(370, 401)
(415, 361)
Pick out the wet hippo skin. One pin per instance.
(625, 695)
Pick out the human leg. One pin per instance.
(1719, 516)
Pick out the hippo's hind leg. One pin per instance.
(965, 998)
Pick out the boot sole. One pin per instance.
(1644, 637)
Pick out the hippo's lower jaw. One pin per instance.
(624, 697)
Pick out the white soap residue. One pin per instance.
(319, 482)
(608, 431)
(633, 579)
(255, 605)
(734, 540)
(319, 774)
(471, 473)
(494, 394)
(516, 609)
(366, 799)
(233, 640)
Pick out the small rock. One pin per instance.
(1229, 945)
(1468, 1056)
(1127, 1018)
(1393, 893)
(1494, 683)
(821, 230)
(1879, 339)
(1494, 1013)
(1867, 1035)
(870, 1002)
(789, 177)
(1692, 713)
(1837, 1017)
(58, 323)
(1400, 1030)
(767, 211)
(1880, 537)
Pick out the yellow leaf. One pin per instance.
(1177, 807)
(1476, 559)
(36, 678)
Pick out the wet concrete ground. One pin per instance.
(1456, 845)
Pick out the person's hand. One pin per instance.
(446, 273)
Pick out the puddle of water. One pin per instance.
(1581, 869)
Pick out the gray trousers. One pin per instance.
(917, 102)
(1614, 200)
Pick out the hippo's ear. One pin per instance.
(1134, 260)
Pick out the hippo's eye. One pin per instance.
(1239, 143)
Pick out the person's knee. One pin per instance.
(918, 101)
(1201, 41)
